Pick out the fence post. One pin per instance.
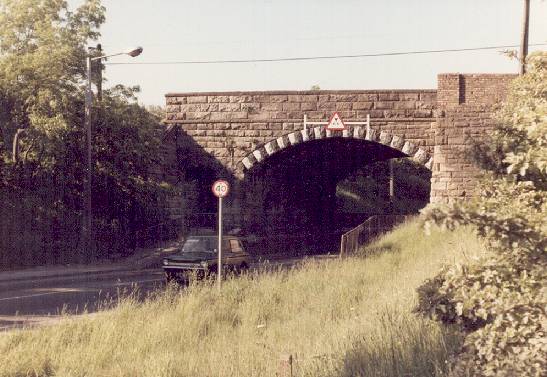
(285, 366)
(162, 236)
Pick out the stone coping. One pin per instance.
(299, 120)
(297, 92)
(478, 75)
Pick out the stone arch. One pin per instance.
(271, 147)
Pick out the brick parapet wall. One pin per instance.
(466, 105)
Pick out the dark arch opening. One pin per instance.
(293, 193)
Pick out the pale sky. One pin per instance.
(182, 30)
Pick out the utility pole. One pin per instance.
(99, 74)
(524, 37)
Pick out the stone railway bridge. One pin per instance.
(257, 141)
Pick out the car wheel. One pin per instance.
(170, 277)
(211, 273)
(243, 268)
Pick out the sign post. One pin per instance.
(220, 189)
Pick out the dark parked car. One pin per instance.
(199, 257)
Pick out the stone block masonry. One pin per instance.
(237, 130)
(289, 106)
(465, 108)
(230, 125)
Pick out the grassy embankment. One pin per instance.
(347, 317)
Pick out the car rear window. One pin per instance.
(199, 245)
(203, 245)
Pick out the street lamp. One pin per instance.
(88, 102)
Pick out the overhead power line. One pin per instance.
(303, 58)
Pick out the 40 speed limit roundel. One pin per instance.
(221, 188)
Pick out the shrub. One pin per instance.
(499, 301)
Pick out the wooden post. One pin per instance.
(524, 37)
(285, 366)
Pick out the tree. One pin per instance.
(42, 75)
(499, 301)
(42, 65)
(158, 111)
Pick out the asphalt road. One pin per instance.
(36, 301)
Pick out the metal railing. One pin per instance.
(366, 232)
(289, 245)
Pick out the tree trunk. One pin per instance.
(15, 152)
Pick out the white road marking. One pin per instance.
(137, 281)
(45, 294)
(78, 290)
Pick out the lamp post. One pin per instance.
(88, 224)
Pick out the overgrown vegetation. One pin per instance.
(43, 46)
(500, 301)
(348, 317)
(367, 190)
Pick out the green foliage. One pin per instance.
(42, 63)
(367, 191)
(518, 147)
(500, 300)
(126, 147)
(500, 307)
(43, 47)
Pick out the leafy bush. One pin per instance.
(499, 301)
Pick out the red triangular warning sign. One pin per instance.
(336, 123)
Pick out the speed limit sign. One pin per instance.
(221, 188)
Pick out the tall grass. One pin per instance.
(348, 317)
